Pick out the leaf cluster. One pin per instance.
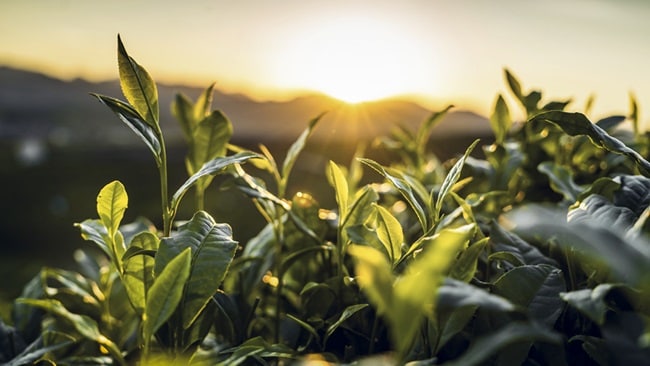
(530, 250)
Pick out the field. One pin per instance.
(529, 247)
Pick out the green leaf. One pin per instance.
(213, 166)
(95, 231)
(430, 267)
(84, 325)
(212, 251)
(203, 103)
(634, 114)
(165, 294)
(502, 240)
(112, 201)
(628, 256)
(591, 302)
(389, 231)
(425, 129)
(345, 315)
(486, 346)
(136, 122)
(466, 264)
(137, 86)
(514, 85)
(597, 210)
(374, 274)
(296, 148)
(138, 270)
(361, 208)
(455, 294)
(500, 120)
(36, 350)
(400, 183)
(535, 288)
(340, 184)
(576, 124)
(451, 179)
(182, 109)
(561, 180)
(210, 139)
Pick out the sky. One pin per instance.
(436, 52)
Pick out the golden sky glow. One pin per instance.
(437, 51)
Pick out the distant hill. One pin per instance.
(35, 105)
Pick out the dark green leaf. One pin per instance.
(596, 210)
(484, 347)
(345, 315)
(591, 302)
(609, 123)
(35, 351)
(502, 240)
(212, 251)
(138, 87)
(136, 122)
(182, 110)
(536, 288)
(561, 180)
(456, 294)
(165, 294)
(576, 124)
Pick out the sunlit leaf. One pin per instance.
(389, 231)
(397, 180)
(213, 166)
(451, 179)
(212, 251)
(296, 148)
(500, 120)
(340, 184)
(425, 129)
(136, 122)
(416, 290)
(138, 270)
(112, 201)
(576, 124)
(84, 325)
(165, 293)
(95, 231)
(210, 139)
(465, 267)
(138, 87)
(374, 274)
(203, 103)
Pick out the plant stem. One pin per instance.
(199, 197)
(167, 215)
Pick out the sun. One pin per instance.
(353, 59)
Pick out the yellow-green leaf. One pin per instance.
(111, 204)
(137, 86)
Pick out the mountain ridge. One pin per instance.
(37, 105)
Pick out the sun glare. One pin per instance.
(353, 60)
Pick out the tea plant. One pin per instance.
(530, 250)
